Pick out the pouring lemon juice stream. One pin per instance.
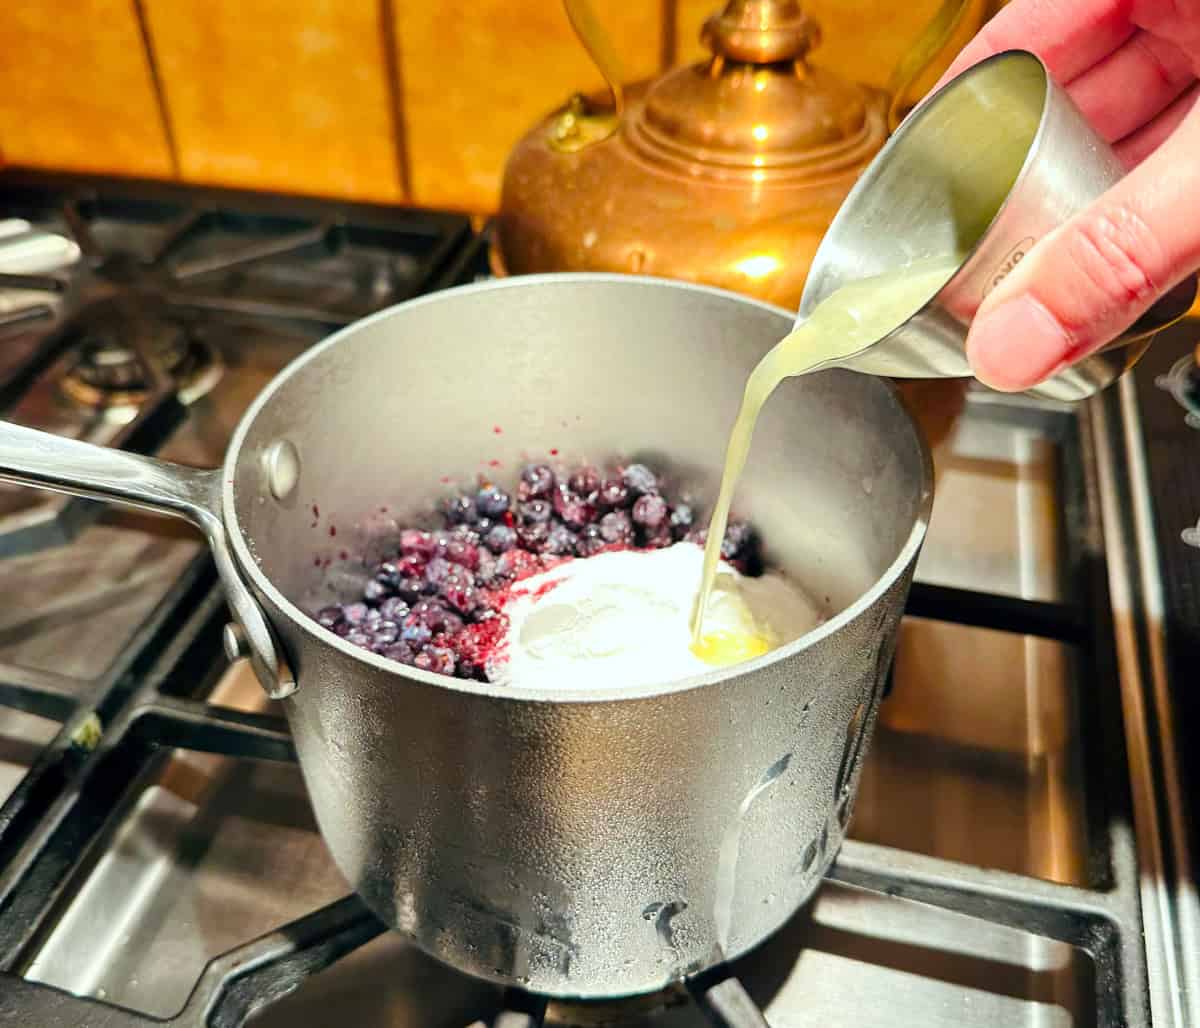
(846, 322)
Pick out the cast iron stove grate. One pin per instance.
(147, 703)
(131, 331)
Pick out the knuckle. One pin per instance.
(1118, 256)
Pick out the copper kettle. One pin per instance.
(725, 172)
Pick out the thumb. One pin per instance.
(1095, 275)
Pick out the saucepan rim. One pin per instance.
(306, 623)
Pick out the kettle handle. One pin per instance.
(599, 46)
(924, 51)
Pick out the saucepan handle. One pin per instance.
(30, 457)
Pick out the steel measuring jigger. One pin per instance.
(988, 165)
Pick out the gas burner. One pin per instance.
(613, 1013)
(120, 363)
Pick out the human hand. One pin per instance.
(1131, 66)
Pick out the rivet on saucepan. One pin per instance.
(281, 468)
(233, 639)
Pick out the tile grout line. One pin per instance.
(668, 49)
(395, 90)
(160, 93)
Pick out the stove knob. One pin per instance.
(1183, 383)
(1191, 380)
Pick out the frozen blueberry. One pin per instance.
(400, 651)
(590, 541)
(561, 541)
(740, 541)
(536, 511)
(518, 563)
(383, 633)
(432, 615)
(460, 510)
(388, 574)
(536, 480)
(359, 638)
(658, 538)
(394, 609)
(459, 551)
(429, 613)
(500, 538)
(616, 527)
(613, 494)
(640, 480)
(650, 511)
(327, 617)
(463, 598)
(574, 510)
(439, 659)
(470, 534)
(376, 591)
(585, 482)
(416, 543)
(492, 502)
(437, 571)
(533, 536)
(416, 634)
(406, 577)
(681, 520)
(354, 613)
(486, 572)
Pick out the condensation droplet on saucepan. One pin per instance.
(808, 859)
(868, 485)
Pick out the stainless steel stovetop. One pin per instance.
(1018, 854)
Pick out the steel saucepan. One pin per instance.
(588, 844)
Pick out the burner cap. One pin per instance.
(120, 363)
(606, 1013)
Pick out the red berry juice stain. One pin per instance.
(445, 480)
(497, 429)
(333, 529)
(316, 562)
(383, 510)
(546, 587)
(494, 464)
(554, 452)
(343, 555)
(316, 511)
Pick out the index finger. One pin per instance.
(1068, 35)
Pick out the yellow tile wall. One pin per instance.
(477, 75)
(76, 90)
(387, 100)
(278, 94)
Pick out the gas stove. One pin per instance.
(1019, 849)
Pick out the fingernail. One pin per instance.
(1016, 345)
